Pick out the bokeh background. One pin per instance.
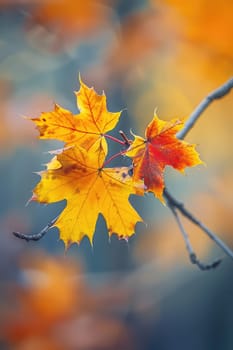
(144, 294)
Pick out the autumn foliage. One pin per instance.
(144, 54)
(80, 172)
(56, 309)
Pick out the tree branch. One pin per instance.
(173, 203)
(216, 94)
(192, 255)
(36, 236)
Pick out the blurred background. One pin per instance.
(144, 294)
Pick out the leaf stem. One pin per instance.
(118, 154)
(125, 138)
(126, 143)
(110, 137)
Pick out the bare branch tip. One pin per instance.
(194, 116)
(202, 266)
(35, 236)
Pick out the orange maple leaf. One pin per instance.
(77, 175)
(91, 124)
(160, 148)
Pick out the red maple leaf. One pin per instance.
(158, 149)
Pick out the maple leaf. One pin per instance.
(160, 148)
(93, 121)
(77, 175)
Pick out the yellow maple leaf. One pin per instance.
(91, 124)
(77, 175)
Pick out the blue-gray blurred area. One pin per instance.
(144, 293)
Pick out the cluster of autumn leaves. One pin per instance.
(78, 172)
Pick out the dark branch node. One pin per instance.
(29, 237)
(35, 236)
(201, 265)
(130, 171)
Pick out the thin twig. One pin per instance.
(125, 138)
(216, 94)
(180, 206)
(36, 236)
(192, 256)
